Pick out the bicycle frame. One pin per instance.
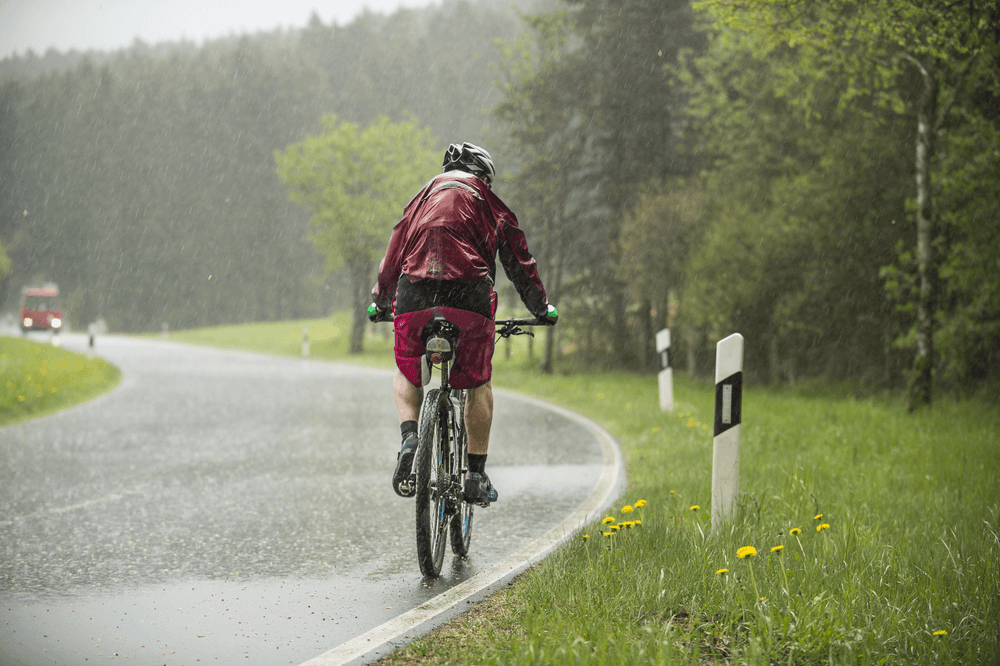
(442, 459)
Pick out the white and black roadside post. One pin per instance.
(728, 415)
(666, 374)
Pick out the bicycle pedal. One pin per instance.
(408, 487)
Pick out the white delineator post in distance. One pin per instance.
(728, 414)
(666, 374)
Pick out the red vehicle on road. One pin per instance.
(40, 309)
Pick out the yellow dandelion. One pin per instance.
(746, 551)
(615, 527)
(817, 516)
(608, 534)
(656, 430)
(824, 526)
(776, 549)
(673, 492)
(721, 571)
(795, 531)
(695, 507)
(20, 398)
(637, 522)
(626, 509)
(607, 520)
(940, 632)
(640, 504)
(586, 536)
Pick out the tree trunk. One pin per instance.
(691, 337)
(921, 380)
(361, 284)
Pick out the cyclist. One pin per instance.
(441, 259)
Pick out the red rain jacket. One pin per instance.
(453, 229)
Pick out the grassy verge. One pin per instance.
(875, 536)
(38, 379)
(327, 339)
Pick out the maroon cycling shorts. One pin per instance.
(473, 364)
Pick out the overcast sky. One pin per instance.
(108, 25)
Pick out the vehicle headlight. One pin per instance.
(27, 322)
(56, 322)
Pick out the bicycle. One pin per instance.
(442, 459)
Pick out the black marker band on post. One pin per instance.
(728, 403)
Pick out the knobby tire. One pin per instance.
(432, 525)
(461, 522)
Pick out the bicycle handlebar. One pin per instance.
(500, 323)
(529, 321)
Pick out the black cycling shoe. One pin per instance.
(479, 490)
(402, 478)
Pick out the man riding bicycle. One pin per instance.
(441, 259)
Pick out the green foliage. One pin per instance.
(5, 263)
(37, 378)
(591, 108)
(156, 198)
(968, 326)
(804, 108)
(355, 183)
(804, 214)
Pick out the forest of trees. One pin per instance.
(820, 176)
(143, 182)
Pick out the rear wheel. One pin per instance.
(433, 478)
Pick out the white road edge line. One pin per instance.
(378, 642)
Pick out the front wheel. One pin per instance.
(461, 522)
(433, 478)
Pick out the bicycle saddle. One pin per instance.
(440, 338)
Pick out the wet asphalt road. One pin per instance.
(224, 505)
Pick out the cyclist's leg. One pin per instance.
(408, 398)
(478, 421)
(408, 401)
(479, 417)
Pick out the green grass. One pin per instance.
(912, 507)
(911, 501)
(38, 378)
(327, 339)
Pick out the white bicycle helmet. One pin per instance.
(469, 158)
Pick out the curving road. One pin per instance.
(227, 505)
